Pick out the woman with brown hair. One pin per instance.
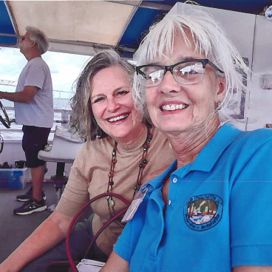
(120, 153)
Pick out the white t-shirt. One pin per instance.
(40, 111)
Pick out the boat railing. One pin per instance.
(61, 116)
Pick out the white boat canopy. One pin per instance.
(84, 27)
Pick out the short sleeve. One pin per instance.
(128, 240)
(36, 74)
(122, 246)
(250, 211)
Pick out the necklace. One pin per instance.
(142, 165)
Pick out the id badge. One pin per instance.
(134, 206)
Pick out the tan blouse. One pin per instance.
(89, 177)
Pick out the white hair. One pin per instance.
(208, 38)
(39, 37)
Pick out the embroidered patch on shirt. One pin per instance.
(203, 212)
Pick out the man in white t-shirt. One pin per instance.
(33, 103)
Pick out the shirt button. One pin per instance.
(169, 202)
(175, 180)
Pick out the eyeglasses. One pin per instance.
(185, 72)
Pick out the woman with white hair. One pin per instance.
(210, 210)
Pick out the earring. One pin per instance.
(98, 132)
(218, 107)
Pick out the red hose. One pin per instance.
(75, 219)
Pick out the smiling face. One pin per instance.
(113, 106)
(176, 108)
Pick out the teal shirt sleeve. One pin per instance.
(123, 244)
(127, 241)
(251, 209)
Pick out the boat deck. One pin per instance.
(15, 228)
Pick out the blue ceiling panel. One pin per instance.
(138, 26)
(6, 26)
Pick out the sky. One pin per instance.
(64, 68)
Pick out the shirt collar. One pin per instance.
(209, 155)
(139, 142)
(204, 161)
(158, 181)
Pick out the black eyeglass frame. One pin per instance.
(171, 67)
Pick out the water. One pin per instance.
(59, 103)
(64, 68)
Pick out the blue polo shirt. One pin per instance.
(219, 211)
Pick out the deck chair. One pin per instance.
(71, 265)
(63, 150)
